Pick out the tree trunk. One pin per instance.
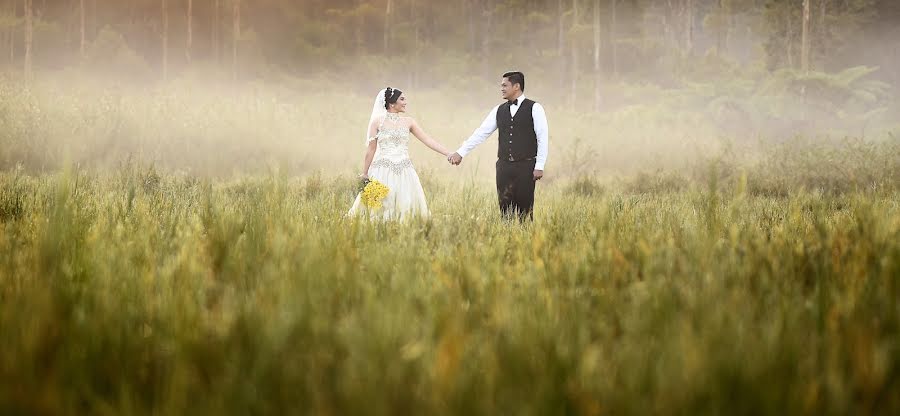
(165, 39)
(561, 41)
(725, 27)
(596, 35)
(93, 18)
(822, 32)
(190, 30)
(29, 34)
(596, 55)
(666, 20)
(560, 46)
(236, 32)
(689, 28)
(486, 36)
(216, 42)
(473, 46)
(12, 33)
(413, 74)
(790, 42)
(574, 53)
(612, 38)
(804, 40)
(358, 22)
(387, 25)
(83, 37)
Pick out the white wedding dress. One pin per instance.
(393, 167)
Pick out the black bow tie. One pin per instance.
(513, 102)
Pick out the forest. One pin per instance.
(576, 47)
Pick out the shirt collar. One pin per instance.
(520, 100)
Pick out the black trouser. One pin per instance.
(515, 188)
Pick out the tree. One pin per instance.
(236, 36)
(488, 25)
(165, 39)
(387, 28)
(689, 27)
(794, 41)
(804, 43)
(190, 30)
(413, 73)
(719, 21)
(575, 51)
(470, 19)
(81, 24)
(8, 23)
(29, 35)
(216, 42)
(596, 54)
(613, 39)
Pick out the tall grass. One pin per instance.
(140, 292)
(183, 249)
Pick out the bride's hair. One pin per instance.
(391, 96)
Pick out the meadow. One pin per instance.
(738, 277)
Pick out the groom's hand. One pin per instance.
(538, 174)
(454, 159)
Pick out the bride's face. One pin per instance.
(400, 105)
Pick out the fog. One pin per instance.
(228, 87)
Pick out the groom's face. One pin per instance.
(508, 90)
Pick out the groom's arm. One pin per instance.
(542, 131)
(481, 133)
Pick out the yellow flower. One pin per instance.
(374, 193)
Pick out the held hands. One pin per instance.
(455, 159)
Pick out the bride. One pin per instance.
(387, 159)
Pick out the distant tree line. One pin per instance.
(579, 42)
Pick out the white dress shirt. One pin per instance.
(489, 126)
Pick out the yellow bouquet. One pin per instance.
(373, 192)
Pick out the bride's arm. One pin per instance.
(426, 139)
(371, 146)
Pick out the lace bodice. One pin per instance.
(393, 144)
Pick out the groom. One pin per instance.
(522, 146)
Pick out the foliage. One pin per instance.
(144, 293)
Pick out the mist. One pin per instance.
(227, 87)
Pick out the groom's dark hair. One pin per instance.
(516, 77)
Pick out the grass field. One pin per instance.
(756, 284)
(139, 294)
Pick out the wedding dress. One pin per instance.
(393, 167)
